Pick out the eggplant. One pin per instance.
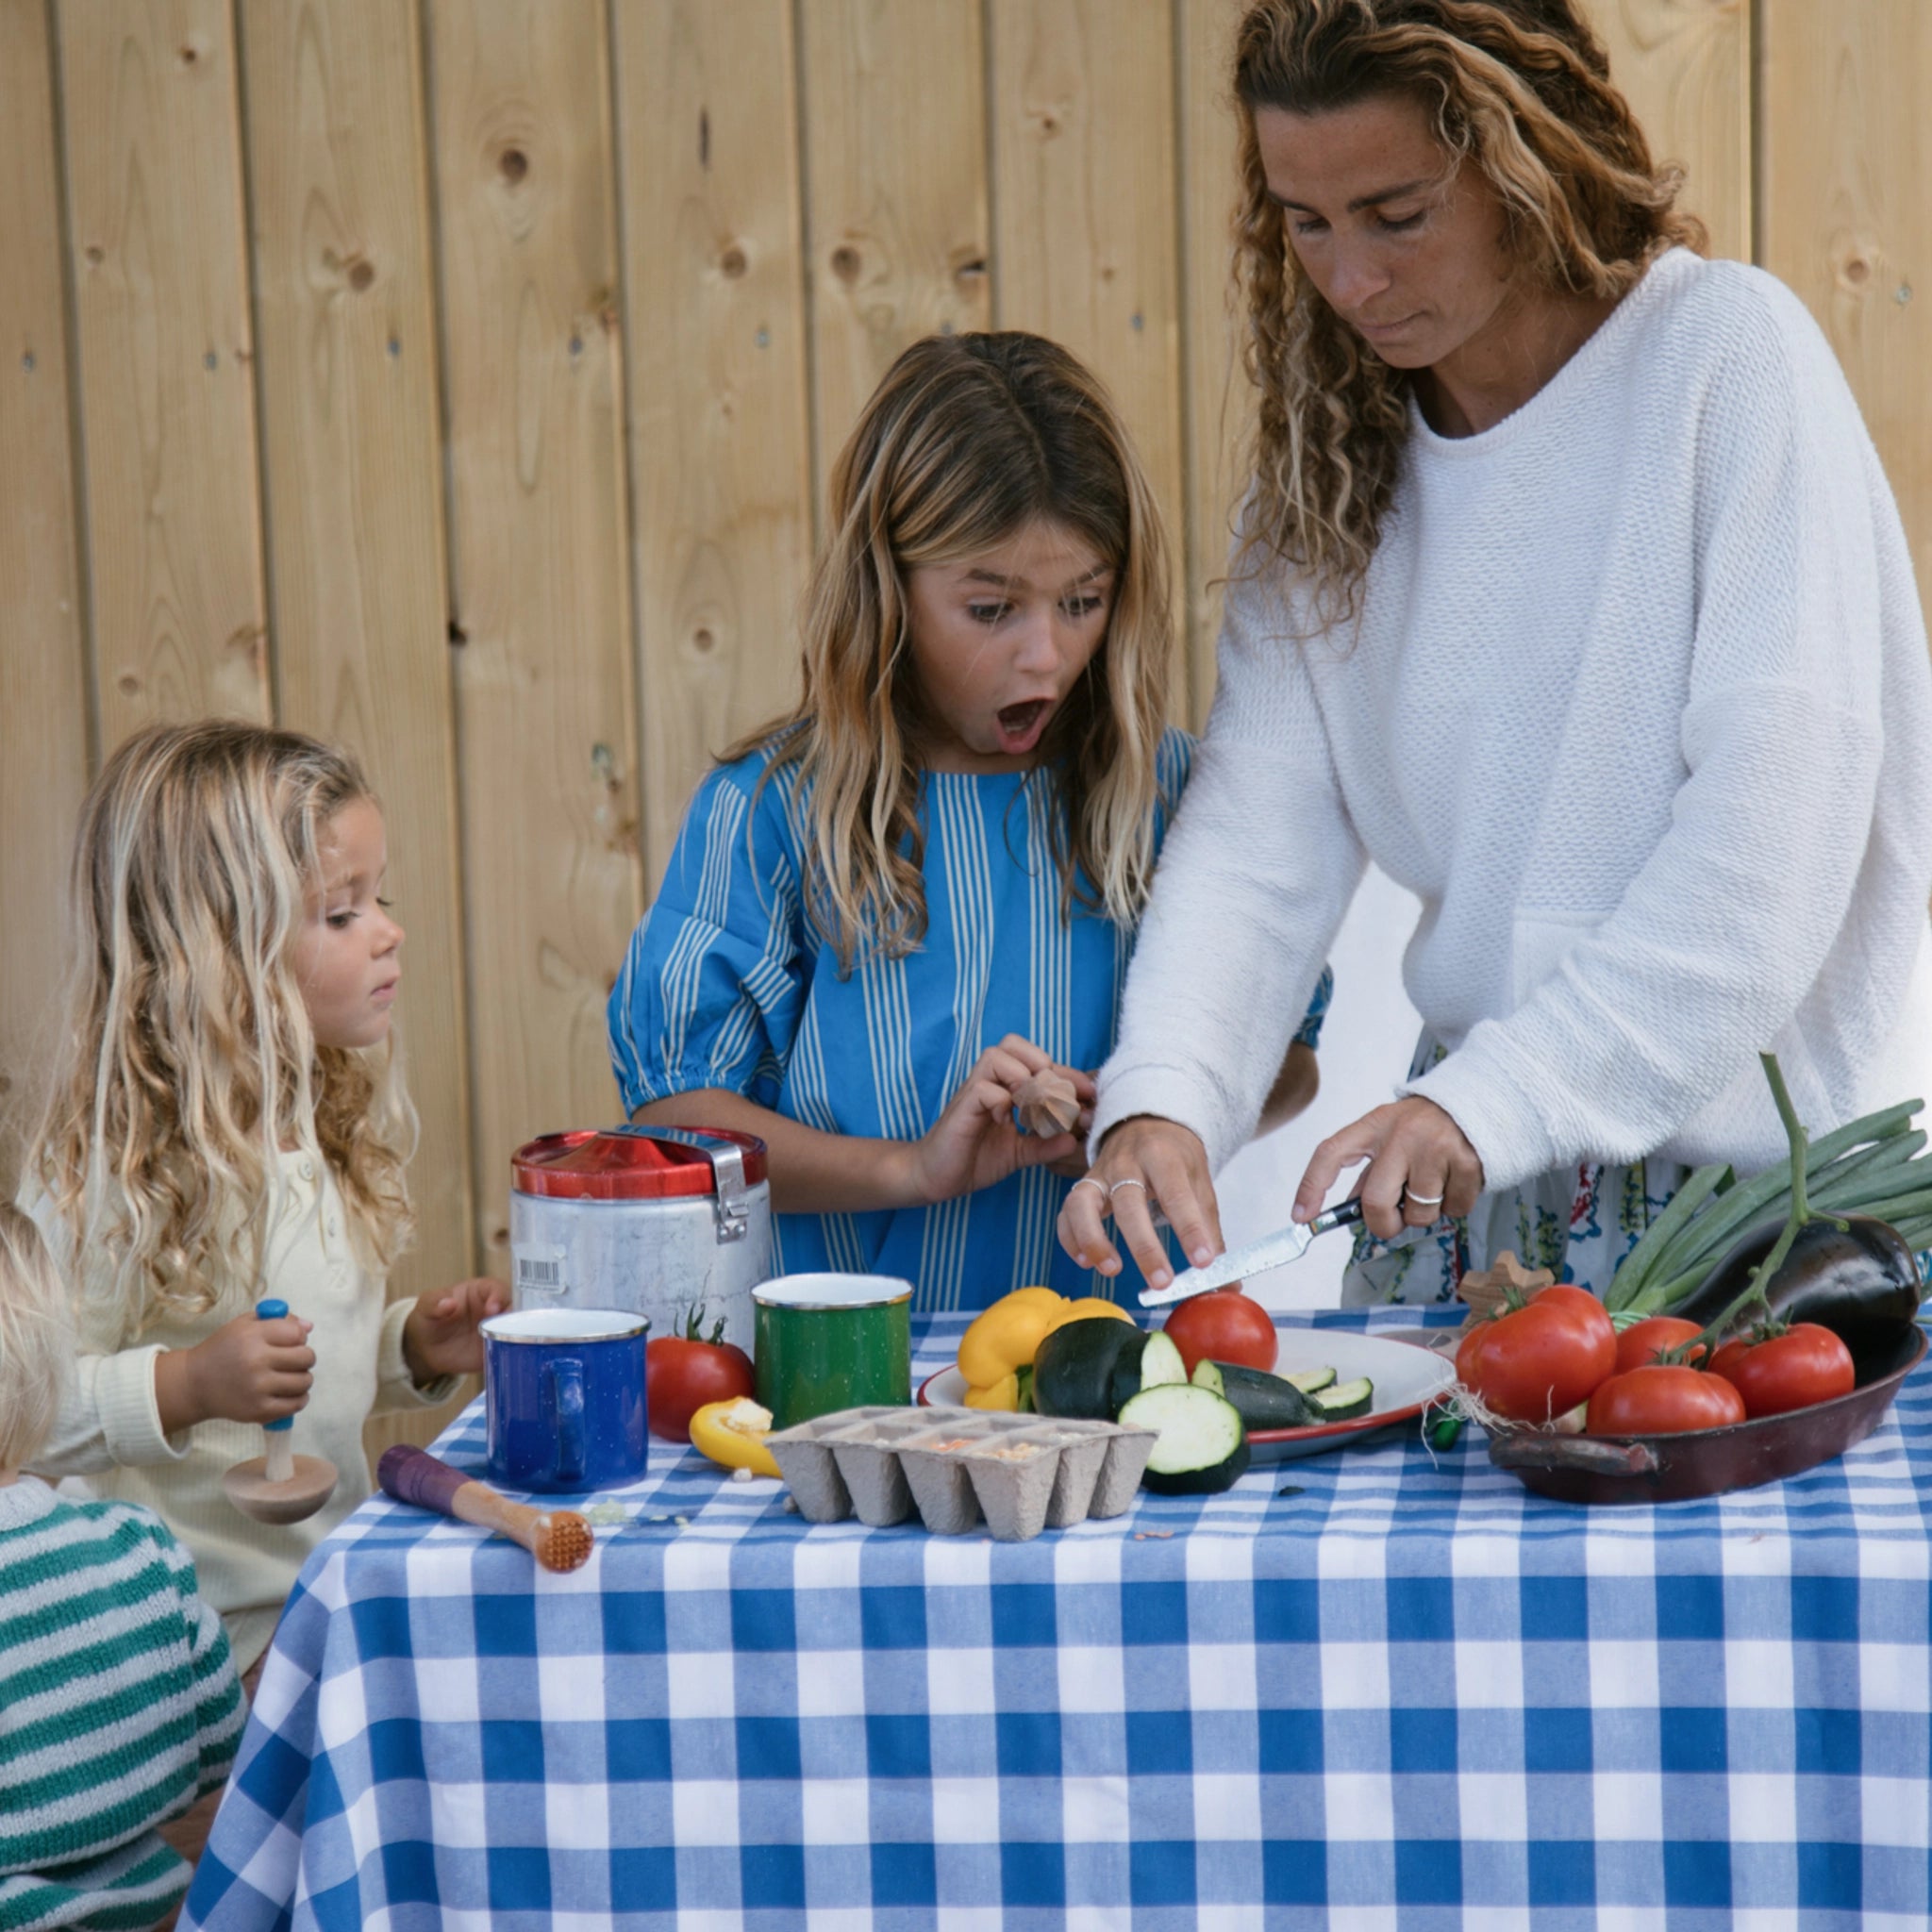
(1201, 1447)
(1852, 1275)
(1088, 1368)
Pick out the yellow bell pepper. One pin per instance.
(1000, 1343)
(733, 1434)
(1088, 1306)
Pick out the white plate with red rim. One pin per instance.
(1407, 1376)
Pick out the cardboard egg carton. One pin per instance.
(1022, 1474)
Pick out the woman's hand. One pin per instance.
(975, 1142)
(1144, 1162)
(440, 1336)
(1420, 1170)
(248, 1371)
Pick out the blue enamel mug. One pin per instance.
(563, 1398)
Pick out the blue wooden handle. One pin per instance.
(273, 1310)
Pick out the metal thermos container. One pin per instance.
(655, 1219)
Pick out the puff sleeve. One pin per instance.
(714, 978)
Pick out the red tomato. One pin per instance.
(1805, 1365)
(1566, 1294)
(1538, 1361)
(1222, 1325)
(1659, 1401)
(1728, 1357)
(1642, 1342)
(681, 1376)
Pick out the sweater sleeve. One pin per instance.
(1720, 934)
(107, 1414)
(1254, 879)
(219, 1710)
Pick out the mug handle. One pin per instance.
(564, 1384)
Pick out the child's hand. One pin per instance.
(975, 1142)
(248, 1371)
(440, 1337)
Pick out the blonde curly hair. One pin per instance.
(967, 441)
(1518, 89)
(35, 1340)
(187, 1062)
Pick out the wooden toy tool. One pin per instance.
(278, 1486)
(1047, 1102)
(559, 1538)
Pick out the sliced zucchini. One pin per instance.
(1088, 1368)
(1309, 1380)
(1201, 1447)
(1207, 1376)
(1161, 1362)
(1344, 1401)
(1265, 1401)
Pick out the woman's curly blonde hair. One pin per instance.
(968, 441)
(187, 1063)
(1518, 89)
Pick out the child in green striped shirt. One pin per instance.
(118, 1701)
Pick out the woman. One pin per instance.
(1570, 591)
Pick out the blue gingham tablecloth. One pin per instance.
(1382, 1688)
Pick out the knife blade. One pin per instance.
(1257, 1258)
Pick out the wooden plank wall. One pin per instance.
(459, 378)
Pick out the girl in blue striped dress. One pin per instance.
(890, 907)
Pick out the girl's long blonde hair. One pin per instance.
(187, 1061)
(969, 441)
(35, 1340)
(1519, 90)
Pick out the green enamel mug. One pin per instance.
(829, 1342)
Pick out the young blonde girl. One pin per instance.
(919, 887)
(227, 1122)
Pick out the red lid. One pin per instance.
(590, 1164)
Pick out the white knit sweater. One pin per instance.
(109, 1427)
(1639, 706)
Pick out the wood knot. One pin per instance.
(514, 164)
(702, 638)
(128, 684)
(845, 262)
(732, 263)
(1858, 271)
(360, 274)
(95, 254)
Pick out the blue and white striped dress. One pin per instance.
(727, 984)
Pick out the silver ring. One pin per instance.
(1130, 1182)
(1423, 1200)
(1087, 1180)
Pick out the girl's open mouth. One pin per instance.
(1020, 725)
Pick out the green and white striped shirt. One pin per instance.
(119, 1707)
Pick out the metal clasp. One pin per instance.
(730, 1198)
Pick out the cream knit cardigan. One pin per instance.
(110, 1429)
(1639, 706)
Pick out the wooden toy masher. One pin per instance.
(278, 1486)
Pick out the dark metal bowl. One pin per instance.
(1707, 1462)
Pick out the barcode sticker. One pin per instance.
(538, 1270)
